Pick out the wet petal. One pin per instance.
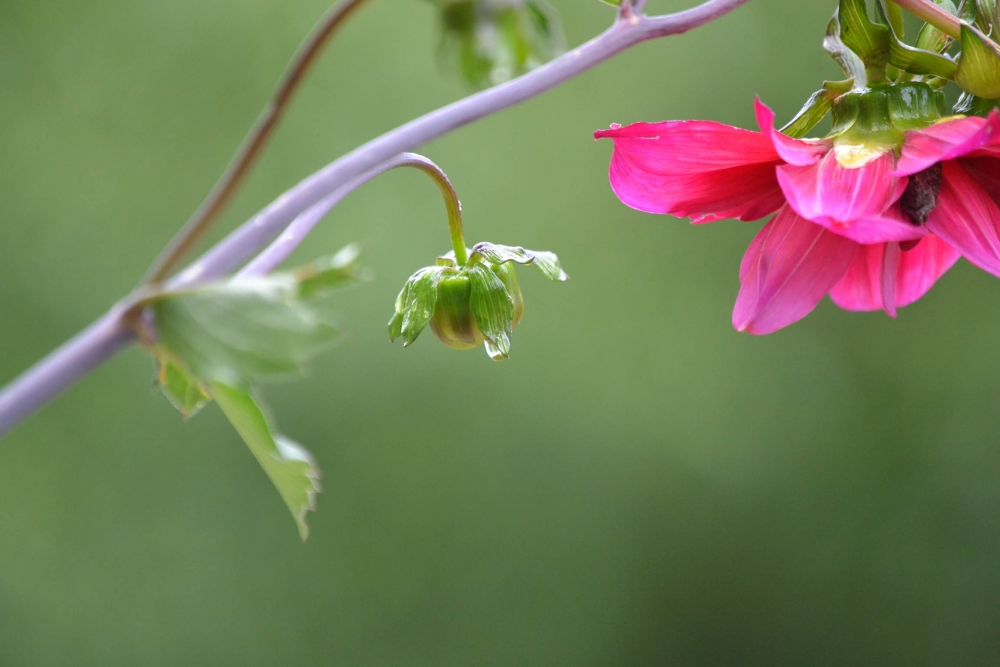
(698, 169)
(838, 198)
(946, 140)
(800, 152)
(867, 286)
(789, 267)
(967, 219)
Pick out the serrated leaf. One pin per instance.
(289, 466)
(546, 262)
(493, 309)
(182, 389)
(868, 40)
(979, 65)
(241, 331)
(415, 305)
(327, 274)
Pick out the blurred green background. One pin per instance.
(638, 485)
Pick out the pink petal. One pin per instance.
(871, 283)
(689, 146)
(986, 172)
(793, 151)
(788, 268)
(967, 218)
(840, 198)
(746, 193)
(921, 267)
(946, 140)
(684, 171)
(892, 225)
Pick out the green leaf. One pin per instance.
(240, 331)
(869, 40)
(979, 65)
(493, 308)
(546, 262)
(986, 13)
(290, 467)
(181, 388)
(415, 305)
(331, 273)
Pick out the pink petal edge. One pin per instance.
(788, 268)
(799, 152)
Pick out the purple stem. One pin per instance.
(49, 377)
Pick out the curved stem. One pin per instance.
(46, 379)
(231, 180)
(273, 255)
(240, 245)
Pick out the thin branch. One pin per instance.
(247, 240)
(237, 171)
(273, 255)
(46, 379)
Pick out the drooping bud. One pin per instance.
(479, 302)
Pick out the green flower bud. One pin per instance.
(453, 322)
(476, 303)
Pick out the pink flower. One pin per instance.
(873, 231)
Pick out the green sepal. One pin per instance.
(986, 15)
(288, 465)
(415, 305)
(613, 3)
(334, 272)
(816, 108)
(546, 262)
(909, 59)
(970, 105)
(868, 40)
(493, 309)
(931, 38)
(978, 70)
(849, 61)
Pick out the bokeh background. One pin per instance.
(638, 485)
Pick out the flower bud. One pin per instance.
(477, 303)
(453, 322)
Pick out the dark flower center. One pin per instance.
(920, 196)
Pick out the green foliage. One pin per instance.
(866, 39)
(491, 41)
(415, 305)
(493, 308)
(217, 341)
(289, 466)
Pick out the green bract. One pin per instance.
(472, 304)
